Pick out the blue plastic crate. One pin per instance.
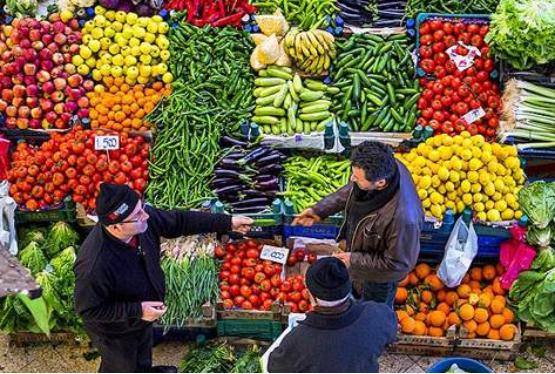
(319, 231)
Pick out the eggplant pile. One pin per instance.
(372, 13)
(247, 180)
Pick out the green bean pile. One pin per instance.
(450, 6)
(211, 96)
(311, 179)
(190, 282)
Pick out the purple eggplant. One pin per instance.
(252, 209)
(267, 185)
(222, 182)
(256, 153)
(271, 169)
(263, 177)
(227, 173)
(229, 141)
(234, 188)
(253, 201)
(270, 159)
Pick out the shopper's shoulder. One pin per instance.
(373, 308)
(93, 255)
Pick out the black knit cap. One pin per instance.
(328, 279)
(115, 203)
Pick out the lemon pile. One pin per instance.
(121, 44)
(466, 171)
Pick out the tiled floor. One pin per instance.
(71, 358)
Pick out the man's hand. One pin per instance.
(345, 257)
(241, 224)
(307, 218)
(152, 310)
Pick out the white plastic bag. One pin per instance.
(7, 219)
(460, 250)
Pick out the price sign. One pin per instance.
(106, 142)
(275, 254)
(474, 115)
(463, 62)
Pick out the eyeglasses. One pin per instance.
(141, 214)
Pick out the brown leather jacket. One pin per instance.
(386, 242)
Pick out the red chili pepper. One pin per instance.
(221, 8)
(247, 7)
(190, 6)
(232, 20)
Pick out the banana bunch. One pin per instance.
(312, 51)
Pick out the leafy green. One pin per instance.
(524, 364)
(31, 234)
(208, 359)
(60, 236)
(545, 260)
(21, 8)
(539, 237)
(538, 202)
(33, 258)
(39, 310)
(523, 32)
(248, 362)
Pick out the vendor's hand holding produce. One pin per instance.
(241, 224)
(375, 77)
(307, 218)
(465, 171)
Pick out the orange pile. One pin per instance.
(426, 307)
(122, 107)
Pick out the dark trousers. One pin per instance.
(378, 292)
(131, 353)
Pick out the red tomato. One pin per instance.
(436, 25)
(286, 286)
(312, 258)
(245, 291)
(298, 286)
(246, 305)
(305, 294)
(425, 51)
(265, 285)
(234, 290)
(252, 253)
(224, 275)
(439, 35)
(267, 304)
(254, 300)
(236, 261)
(426, 39)
(250, 262)
(427, 65)
(300, 255)
(448, 28)
(276, 280)
(424, 28)
(235, 269)
(294, 296)
(259, 277)
(231, 248)
(247, 273)
(238, 300)
(473, 28)
(225, 295)
(219, 251)
(303, 306)
(292, 260)
(228, 303)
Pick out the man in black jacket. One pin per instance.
(120, 287)
(340, 335)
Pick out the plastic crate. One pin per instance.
(252, 329)
(66, 213)
(327, 229)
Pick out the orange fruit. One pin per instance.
(498, 304)
(473, 298)
(443, 307)
(410, 310)
(436, 318)
(407, 325)
(508, 315)
(485, 300)
(423, 308)
(420, 316)
(466, 312)
(404, 282)
(489, 272)
(427, 296)
(422, 270)
(471, 335)
(401, 295)
(475, 285)
(401, 314)
(441, 295)
(464, 291)
(496, 286)
(496, 321)
(476, 273)
(420, 328)
(481, 315)
(483, 329)
(465, 279)
(433, 282)
(507, 332)
(494, 334)
(471, 325)
(453, 319)
(435, 331)
(500, 269)
(451, 298)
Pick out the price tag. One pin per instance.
(474, 115)
(275, 254)
(106, 142)
(298, 138)
(463, 62)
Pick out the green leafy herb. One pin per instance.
(524, 364)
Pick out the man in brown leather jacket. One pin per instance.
(383, 221)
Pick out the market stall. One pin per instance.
(252, 108)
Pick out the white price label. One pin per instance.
(106, 142)
(275, 254)
(474, 115)
(299, 138)
(463, 62)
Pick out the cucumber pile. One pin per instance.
(375, 77)
(287, 106)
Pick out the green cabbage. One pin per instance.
(32, 235)
(545, 260)
(60, 236)
(537, 201)
(522, 32)
(539, 237)
(33, 258)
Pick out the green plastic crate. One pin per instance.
(65, 213)
(248, 328)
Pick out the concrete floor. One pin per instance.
(71, 357)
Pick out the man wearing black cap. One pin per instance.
(120, 288)
(339, 335)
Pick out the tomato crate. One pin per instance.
(65, 212)
(425, 345)
(261, 329)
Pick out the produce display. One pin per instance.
(426, 307)
(120, 44)
(49, 254)
(461, 96)
(188, 265)
(216, 13)
(285, 106)
(375, 76)
(269, 43)
(247, 179)
(141, 7)
(528, 111)
(373, 13)
(308, 180)
(206, 102)
(522, 32)
(454, 7)
(221, 358)
(306, 14)
(40, 87)
(312, 51)
(68, 165)
(465, 171)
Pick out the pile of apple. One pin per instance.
(39, 85)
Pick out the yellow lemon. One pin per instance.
(466, 186)
(507, 215)
(473, 176)
(500, 205)
(489, 204)
(474, 164)
(479, 207)
(443, 174)
(493, 215)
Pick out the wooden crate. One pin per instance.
(208, 320)
(272, 315)
(530, 332)
(488, 349)
(24, 338)
(425, 345)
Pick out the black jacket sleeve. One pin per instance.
(93, 304)
(284, 359)
(175, 223)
